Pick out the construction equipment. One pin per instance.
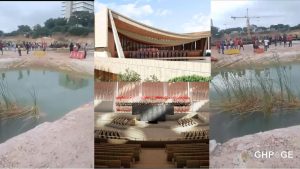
(247, 17)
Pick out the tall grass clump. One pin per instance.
(266, 93)
(9, 107)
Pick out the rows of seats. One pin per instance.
(186, 122)
(107, 134)
(157, 54)
(116, 155)
(188, 155)
(121, 122)
(196, 135)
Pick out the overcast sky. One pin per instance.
(271, 12)
(179, 16)
(13, 14)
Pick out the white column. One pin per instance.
(115, 95)
(188, 89)
(165, 89)
(208, 45)
(116, 36)
(117, 90)
(141, 90)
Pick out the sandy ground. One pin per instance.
(67, 142)
(58, 60)
(240, 152)
(247, 58)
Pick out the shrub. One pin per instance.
(152, 78)
(191, 78)
(129, 76)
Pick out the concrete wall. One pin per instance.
(101, 29)
(107, 91)
(164, 70)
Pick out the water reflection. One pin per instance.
(54, 99)
(3, 76)
(20, 75)
(72, 82)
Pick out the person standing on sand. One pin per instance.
(290, 39)
(218, 45)
(241, 43)
(79, 46)
(231, 44)
(236, 43)
(27, 47)
(1, 47)
(227, 44)
(44, 45)
(71, 47)
(85, 50)
(266, 44)
(223, 46)
(284, 40)
(19, 50)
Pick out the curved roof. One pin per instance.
(148, 34)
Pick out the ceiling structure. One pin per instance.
(147, 34)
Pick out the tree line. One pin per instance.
(218, 33)
(80, 23)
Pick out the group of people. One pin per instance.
(266, 41)
(32, 46)
(28, 46)
(77, 47)
(236, 43)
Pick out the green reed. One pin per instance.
(9, 108)
(257, 93)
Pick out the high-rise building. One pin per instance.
(71, 6)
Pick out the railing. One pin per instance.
(164, 54)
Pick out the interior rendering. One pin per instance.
(160, 119)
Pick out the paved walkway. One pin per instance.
(153, 158)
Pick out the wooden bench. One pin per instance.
(125, 160)
(181, 160)
(119, 145)
(115, 154)
(107, 163)
(186, 147)
(170, 154)
(190, 154)
(136, 154)
(197, 163)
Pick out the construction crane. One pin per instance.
(247, 17)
